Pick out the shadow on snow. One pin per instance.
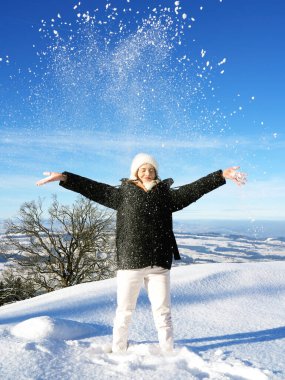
(214, 342)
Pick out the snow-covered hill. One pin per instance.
(228, 319)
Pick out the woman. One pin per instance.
(144, 236)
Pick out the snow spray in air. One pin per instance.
(127, 70)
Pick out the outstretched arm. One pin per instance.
(51, 177)
(102, 193)
(187, 194)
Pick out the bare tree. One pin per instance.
(73, 245)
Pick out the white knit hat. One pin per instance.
(139, 160)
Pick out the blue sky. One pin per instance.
(199, 84)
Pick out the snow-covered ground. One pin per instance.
(216, 248)
(228, 316)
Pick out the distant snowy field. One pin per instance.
(223, 241)
(228, 316)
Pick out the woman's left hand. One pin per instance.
(233, 174)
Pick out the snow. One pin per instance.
(228, 246)
(228, 320)
(45, 327)
(228, 314)
(222, 62)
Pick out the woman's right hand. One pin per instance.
(51, 177)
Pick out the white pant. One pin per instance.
(157, 284)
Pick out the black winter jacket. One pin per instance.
(144, 234)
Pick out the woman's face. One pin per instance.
(146, 173)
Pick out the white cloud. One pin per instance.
(104, 140)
